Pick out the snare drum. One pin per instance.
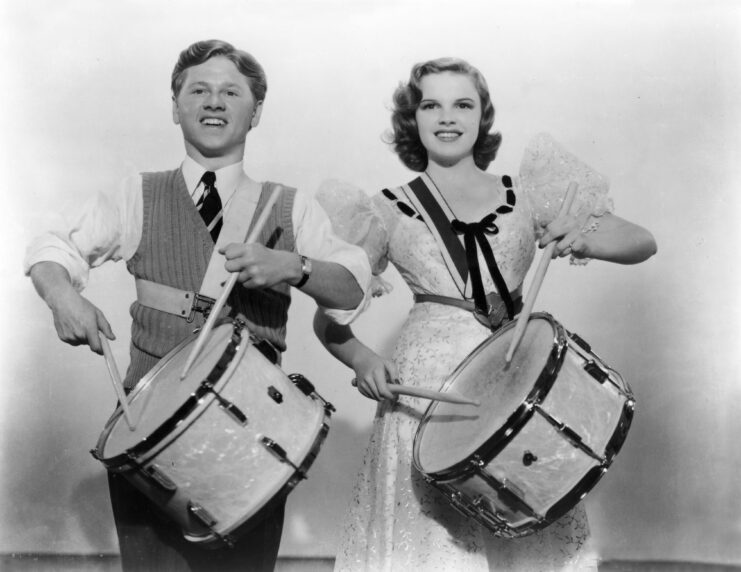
(220, 448)
(548, 427)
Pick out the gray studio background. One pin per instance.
(648, 93)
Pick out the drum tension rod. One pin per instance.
(229, 408)
(569, 434)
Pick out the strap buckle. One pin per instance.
(496, 310)
(202, 304)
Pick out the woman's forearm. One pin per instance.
(617, 240)
(339, 340)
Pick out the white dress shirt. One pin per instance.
(109, 228)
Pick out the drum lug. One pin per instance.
(593, 369)
(280, 454)
(580, 342)
(201, 514)
(307, 388)
(303, 384)
(208, 520)
(154, 474)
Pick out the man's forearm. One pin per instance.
(333, 286)
(51, 281)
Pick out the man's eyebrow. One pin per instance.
(205, 82)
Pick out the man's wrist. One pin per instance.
(306, 268)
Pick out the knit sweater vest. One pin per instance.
(175, 249)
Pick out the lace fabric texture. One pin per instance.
(397, 522)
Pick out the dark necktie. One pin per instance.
(209, 205)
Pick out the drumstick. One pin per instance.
(448, 396)
(545, 260)
(219, 304)
(116, 380)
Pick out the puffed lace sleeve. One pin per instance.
(546, 170)
(357, 220)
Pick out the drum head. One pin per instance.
(451, 433)
(160, 393)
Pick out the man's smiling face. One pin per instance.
(215, 110)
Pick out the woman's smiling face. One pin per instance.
(448, 116)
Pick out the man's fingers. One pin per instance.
(93, 340)
(104, 326)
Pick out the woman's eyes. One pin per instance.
(459, 105)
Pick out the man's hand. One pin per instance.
(76, 319)
(261, 267)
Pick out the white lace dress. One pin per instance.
(397, 522)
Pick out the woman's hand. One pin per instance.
(566, 232)
(373, 375)
(613, 239)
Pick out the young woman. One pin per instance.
(441, 122)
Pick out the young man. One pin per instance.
(166, 226)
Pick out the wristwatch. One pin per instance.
(306, 271)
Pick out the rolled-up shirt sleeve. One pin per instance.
(107, 228)
(316, 239)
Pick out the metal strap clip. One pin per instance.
(202, 304)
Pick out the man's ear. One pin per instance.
(256, 115)
(175, 111)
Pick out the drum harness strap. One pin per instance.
(185, 303)
(497, 308)
(462, 259)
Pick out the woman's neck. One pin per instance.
(470, 192)
(462, 173)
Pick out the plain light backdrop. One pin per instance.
(646, 92)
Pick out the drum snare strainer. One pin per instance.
(548, 427)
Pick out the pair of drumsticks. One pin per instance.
(449, 396)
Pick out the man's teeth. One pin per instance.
(213, 122)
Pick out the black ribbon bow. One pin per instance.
(474, 233)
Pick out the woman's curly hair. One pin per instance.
(405, 136)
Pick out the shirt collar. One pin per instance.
(227, 178)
